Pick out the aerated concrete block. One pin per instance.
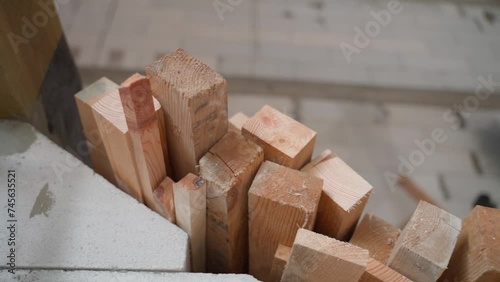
(124, 276)
(70, 218)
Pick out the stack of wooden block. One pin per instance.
(248, 194)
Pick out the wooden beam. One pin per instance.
(316, 257)
(280, 260)
(344, 197)
(84, 101)
(325, 155)
(229, 168)
(237, 121)
(281, 200)
(113, 130)
(424, 248)
(114, 133)
(284, 140)
(377, 236)
(194, 100)
(164, 195)
(191, 210)
(477, 253)
(379, 272)
(140, 115)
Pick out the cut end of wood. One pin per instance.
(287, 186)
(425, 245)
(341, 182)
(316, 257)
(164, 195)
(137, 101)
(285, 141)
(185, 73)
(192, 182)
(110, 107)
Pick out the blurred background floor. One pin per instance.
(395, 92)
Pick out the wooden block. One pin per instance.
(280, 260)
(344, 197)
(316, 257)
(281, 200)
(229, 168)
(284, 140)
(164, 195)
(377, 236)
(194, 101)
(84, 101)
(236, 122)
(476, 256)
(379, 272)
(191, 210)
(325, 155)
(424, 247)
(114, 133)
(141, 118)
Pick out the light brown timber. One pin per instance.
(284, 140)
(229, 168)
(319, 258)
(280, 259)
(194, 101)
(281, 200)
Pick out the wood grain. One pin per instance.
(281, 200)
(325, 155)
(114, 133)
(191, 214)
(144, 132)
(377, 236)
(379, 272)
(284, 140)
(194, 101)
(164, 196)
(318, 258)
(425, 245)
(344, 196)
(237, 121)
(280, 260)
(84, 101)
(476, 256)
(229, 168)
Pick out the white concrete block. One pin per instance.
(115, 276)
(69, 217)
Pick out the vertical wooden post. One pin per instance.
(344, 196)
(113, 130)
(140, 115)
(281, 200)
(280, 259)
(316, 257)
(424, 247)
(476, 256)
(229, 168)
(190, 209)
(377, 236)
(194, 100)
(284, 140)
(84, 101)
